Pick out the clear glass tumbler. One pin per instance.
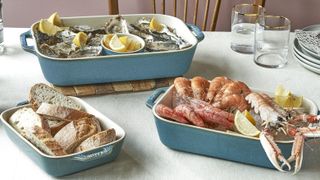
(271, 41)
(243, 19)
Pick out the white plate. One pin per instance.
(305, 65)
(310, 50)
(297, 48)
(315, 65)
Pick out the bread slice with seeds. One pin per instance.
(40, 93)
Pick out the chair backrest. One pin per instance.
(114, 9)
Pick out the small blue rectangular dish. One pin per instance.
(71, 163)
(210, 142)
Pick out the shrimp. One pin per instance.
(199, 87)
(215, 85)
(232, 102)
(232, 96)
(166, 112)
(236, 87)
(183, 86)
(188, 112)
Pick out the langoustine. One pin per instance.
(275, 117)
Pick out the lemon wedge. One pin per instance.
(133, 46)
(116, 45)
(244, 126)
(249, 117)
(80, 39)
(124, 40)
(55, 19)
(285, 98)
(48, 28)
(107, 39)
(155, 25)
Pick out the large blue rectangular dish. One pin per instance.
(68, 164)
(111, 68)
(213, 143)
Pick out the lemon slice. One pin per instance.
(285, 98)
(116, 45)
(244, 126)
(124, 40)
(281, 91)
(155, 25)
(133, 46)
(249, 117)
(55, 19)
(80, 39)
(107, 39)
(48, 28)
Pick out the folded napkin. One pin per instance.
(309, 40)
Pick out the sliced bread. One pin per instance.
(72, 134)
(25, 119)
(45, 142)
(30, 125)
(61, 113)
(40, 93)
(56, 125)
(101, 138)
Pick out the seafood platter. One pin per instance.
(224, 118)
(62, 134)
(101, 49)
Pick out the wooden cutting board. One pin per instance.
(116, 87)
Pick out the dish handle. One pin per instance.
(154, 96)
(196, 31)
(24, 44)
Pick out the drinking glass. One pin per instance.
(271, 41)
(243, 21)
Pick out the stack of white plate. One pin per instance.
(306, 51)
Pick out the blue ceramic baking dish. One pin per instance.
(213, 143)
(68, 164)
(111, 68)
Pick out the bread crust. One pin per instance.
(71, 135)
(46, 142)
(61, 113)
(96, 140)
(56, 125)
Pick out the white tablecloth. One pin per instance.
(143, 156)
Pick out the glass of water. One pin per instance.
(271, 41)
(243, 19)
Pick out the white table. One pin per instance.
(143, 156)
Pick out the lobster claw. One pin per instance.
(273, 152)
(297, 152)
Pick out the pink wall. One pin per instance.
(19, 13)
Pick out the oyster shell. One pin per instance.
(165, 40)
(117, 25)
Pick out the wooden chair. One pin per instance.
(114, 9)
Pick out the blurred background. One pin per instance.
(18, 13)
